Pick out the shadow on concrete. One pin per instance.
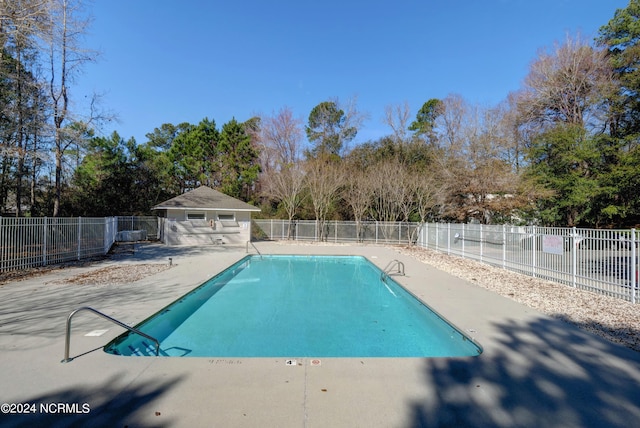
(551, 375)
(147, 252)
(43, 311)
(103, 405)
(27, 312)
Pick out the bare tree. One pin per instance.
(567, 84)
(388, 180)
(353, 116)
(450, 123)
(474, 162)
(21, 25)
(397, 118)
(66, 58)
(323, 180)
(514, 135)
(286, 186)
(24, 18)
(281, 137)
(428, 192)
(357, 192)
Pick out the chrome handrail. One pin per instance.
(393, 263)
(255, 248)
(67, 342)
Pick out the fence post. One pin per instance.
(425, 235)
(534, 250)
(574, 255)
(449, 238)
(481, 242)
(633, 271)
(79, 235)
(504, 246)
(437, 238)
(44, 242)
(376, 231)
(109, 236)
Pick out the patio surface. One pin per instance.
(535, 371)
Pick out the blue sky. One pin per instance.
(181, 61)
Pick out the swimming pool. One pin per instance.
(298, 306)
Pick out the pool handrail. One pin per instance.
(67, 341)
(255, 248)
(392, 264)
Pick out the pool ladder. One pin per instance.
(392, 264)
(67, 341)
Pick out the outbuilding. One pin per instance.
(204, 216)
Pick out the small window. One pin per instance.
(228, 220)
(195, 216)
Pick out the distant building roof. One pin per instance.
(205, 198)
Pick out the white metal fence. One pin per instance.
(340, 231)
(30, 242)
(603, 261)
(147, 223)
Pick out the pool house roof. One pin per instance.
(205, 198)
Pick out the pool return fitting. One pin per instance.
(67, 341)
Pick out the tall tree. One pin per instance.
(282, 178)
(567, 102)
(618, 205)
(425, 120)
(21, 25)
(472, 163)
(158, 159)
(568, 84)
(281, 138)
(566, 160)
(103, 181)
(193, 155)
(621, 38)
(330, 127)
(238, 161)
(397, 118)
(67, 26)
(162, 138)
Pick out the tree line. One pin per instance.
(563, 150)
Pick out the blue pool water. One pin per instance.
(298, 306)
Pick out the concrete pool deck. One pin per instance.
(535, 370)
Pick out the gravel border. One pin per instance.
(614, 319)
(114, 275)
